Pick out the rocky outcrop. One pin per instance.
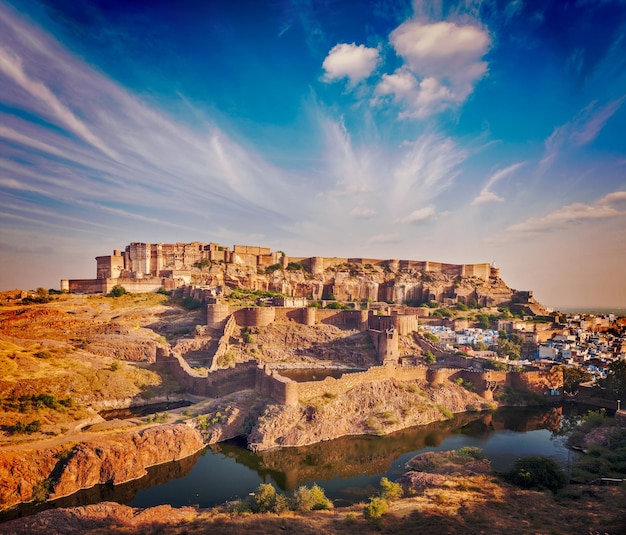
(62, 470)
(376, 408)
(355, 282)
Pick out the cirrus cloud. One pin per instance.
(610, 206)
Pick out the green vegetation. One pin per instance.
(36, 402)
(509, 347)
(490, 364)
(430, 336)
(158, 418)
(274, 267)
(205, 262)
(189, 303)
(250, 296)
(484, 321)
(247, 335)
(41, 296)
(335, 305)
(390, 490)
(379, 503)
(573, 377)
(614, 386)
(265, 499)
(22, 428)
(465, 383)
(226, 359)
(537, 473)
(430, 357)
(296, 266)
(117, 291)
(375, 509)
(446, 412)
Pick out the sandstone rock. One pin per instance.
(62, 470)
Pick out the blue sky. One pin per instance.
(472, 131)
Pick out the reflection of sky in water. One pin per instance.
(214, 479)
(217, 478)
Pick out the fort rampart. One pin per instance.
(285, 391)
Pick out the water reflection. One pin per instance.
(347, 468)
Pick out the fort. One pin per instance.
(145, 267)
(206, 272)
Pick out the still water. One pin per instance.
(348, 468)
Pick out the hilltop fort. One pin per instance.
(146, 267)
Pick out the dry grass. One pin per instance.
(488, 507)
(45, 349)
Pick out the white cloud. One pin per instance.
(443, 62)
(421, 215)
(350, 61)
(605, 208)
(361, 212)
(486, 195)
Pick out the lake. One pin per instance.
(348, 468)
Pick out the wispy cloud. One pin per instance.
(385, 238)
(610, 206)
(428, 166)
(86, 141)
(583, 129)
(486, 195)
(421, 215)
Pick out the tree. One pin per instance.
(572, 377)
(615, 382)
(483, 321)
(430, 357)
(508, 348)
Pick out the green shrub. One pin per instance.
(375, 509)
(389, 490)
(430, 336)
(189, 303)
(22, 428)
(117, 291)
(264, 498)
(272, 268)
(313, 499)
(537, 472)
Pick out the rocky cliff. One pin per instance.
(350, 282)
(49, 473)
